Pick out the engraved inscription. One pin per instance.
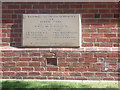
(51, 30)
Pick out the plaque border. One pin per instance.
(80, 33)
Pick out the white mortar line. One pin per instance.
(98, 81)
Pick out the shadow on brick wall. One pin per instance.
(16, 33)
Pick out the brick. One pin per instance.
(34, 73)
(65, 74)
(88, 6)
(41, 77)
(105, 44)
(6, 16)
(114, 40)
(114, 10)
(93, 10)
(68, 11)
(26, 77)
(56, 11)
(51, 6)
(91, 59)
(75, 74)
(7, 11)
(5, 39)
(103, 20)
(5, 68)
(113, 64)
(8, 73)
(102, 40)
(49, 54)
(112, 54)
(57, 74)
(106, 15)
(74, 54)
(61, 54)
(89, 30)
(100, 54)
(103, 30)
(9, 64)
(35, 64)
(52, 68)
(19, 11)
(96, 35)
(108, 78)
(21, 64)
(70, 69)
(100, 74)
(87, 54)
(53, 78)
(87, 44)
(46, 73)
(71, 59)
(63, 6)
(79, 69)
(38, 59)
(38, 6)
(86, 35)
(3, 35)
(82, 11)
(87, 15)
(39, 69)
(76, 6)
(90, 21)
(44, 11)
(81, 78)
(116, 45)
(27, 69)
(88, 74)
(5, 77)
(109, 35)
(15, 69)
(109, 26)
(7, 59)
(81, 59)
(21, 73)
(4, 44)
(24, 54)
(16, 59)
(34, 54)
(100, 6)
(43, 64)
(60, 60)
(86, 64)
(6, 30)
(96, 26)
(76, 64)
(63, 64)
(104, 10)
(13, 6)
(25, 59)
(114, 20)
(114, 74)
(26, 7)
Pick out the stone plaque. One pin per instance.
(51, 30)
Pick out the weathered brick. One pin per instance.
(52, 68)
(35, 64)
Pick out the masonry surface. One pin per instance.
(96, 59)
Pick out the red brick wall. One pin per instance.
(97, 59)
